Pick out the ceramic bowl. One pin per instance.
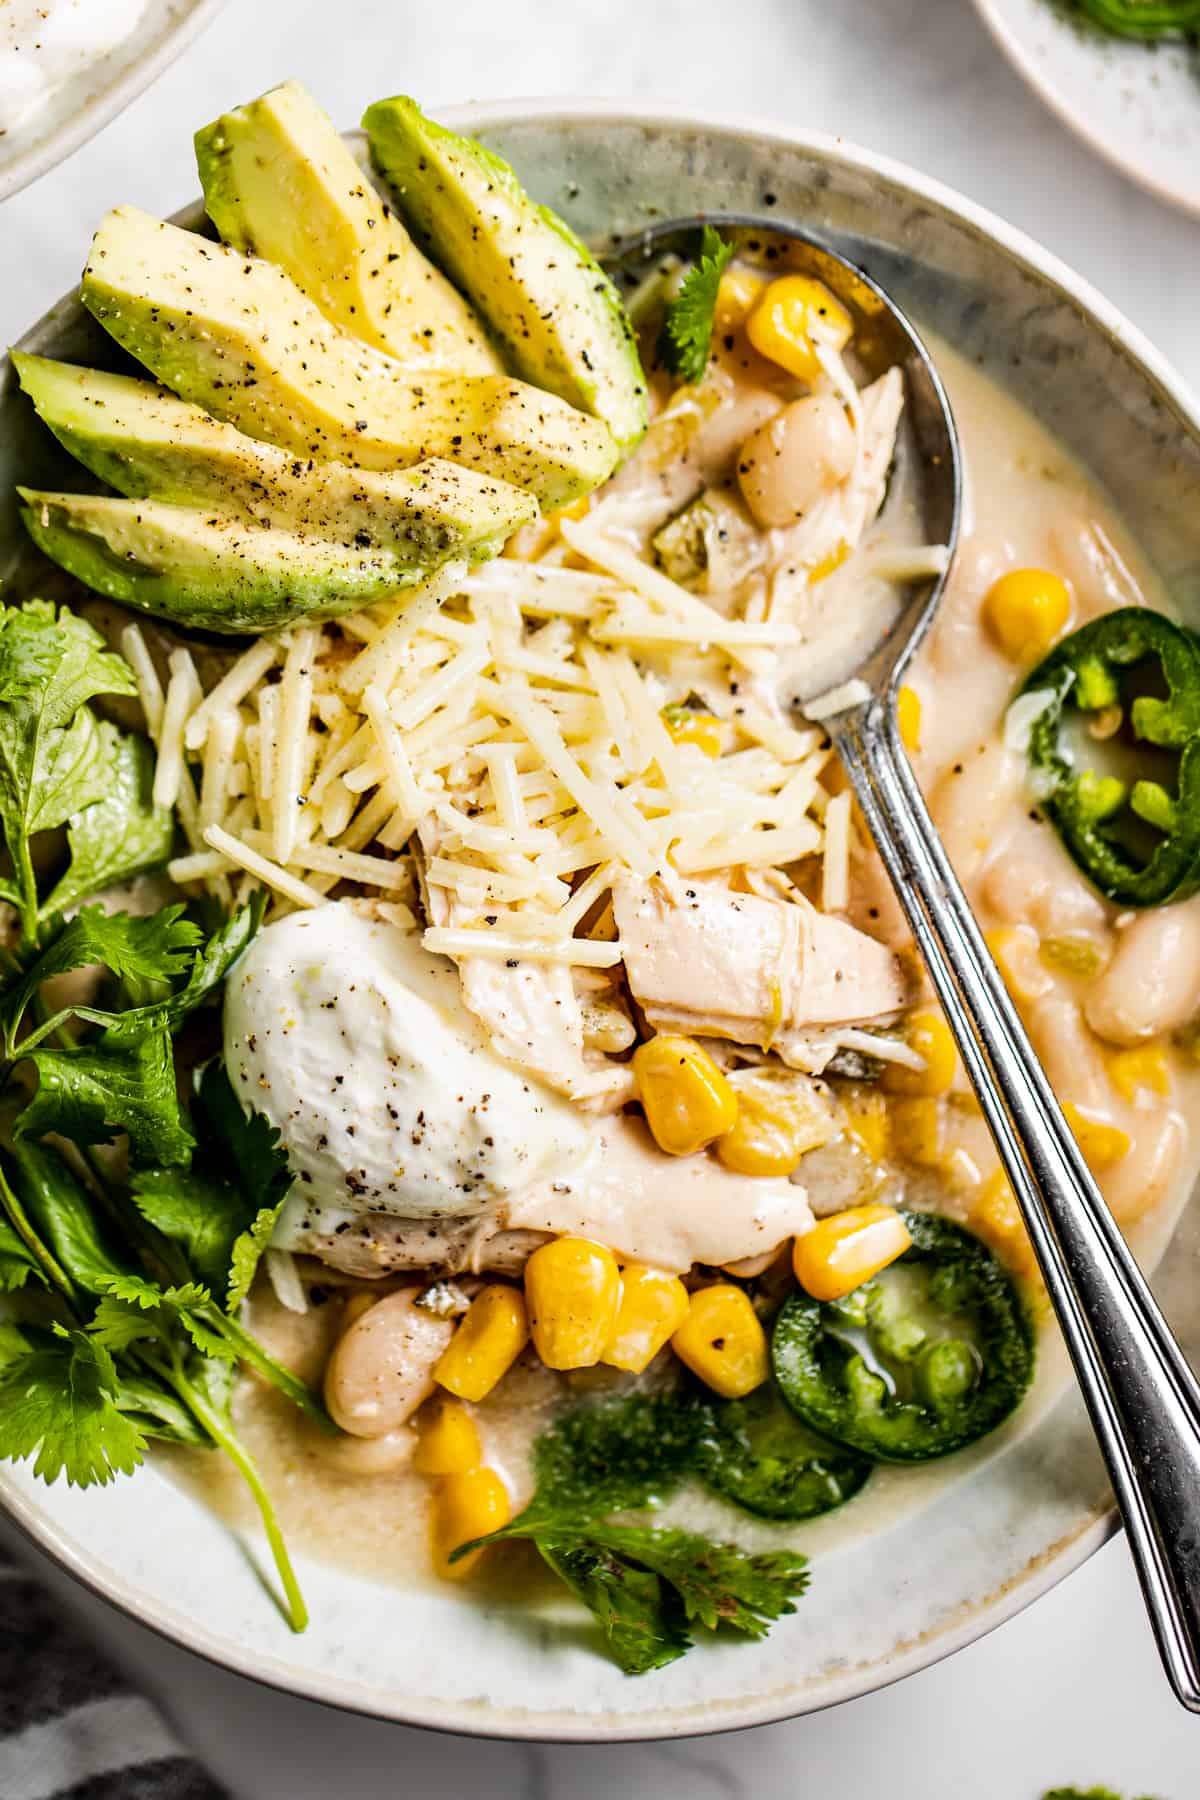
(1135, 104)
(98, 90)
(1030, 1504)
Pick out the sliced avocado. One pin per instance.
(546, 300)
(279, 182)
(235, 335)
(148, 444)
(203, 569)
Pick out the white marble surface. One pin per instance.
(1070, 1691)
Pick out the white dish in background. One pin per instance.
(1136, 104)
(97, 65)
(1025, 1508)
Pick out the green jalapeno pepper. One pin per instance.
(1138, 842)
(1143, 18)
(933, 1353)
(759, 1455)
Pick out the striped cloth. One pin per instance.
(70, 1729)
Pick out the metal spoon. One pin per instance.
(1143, 1398)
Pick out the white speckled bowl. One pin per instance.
(98, 90)
(1027, 1507)
(1136, 104)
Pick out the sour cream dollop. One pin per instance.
(352, 1040)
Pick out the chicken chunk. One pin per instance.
(705, 960)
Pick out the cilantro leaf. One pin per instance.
(120, 834)
(156, 1410)
(54, 760)
(244, 1147)
(63, 1215)
(151, 948)
(59, 1406)
(688, 321)
(616, 1456)
(199, 1212)
(718, 1584)
(642, 1625)
(210, 965)
(93, 1091)
(16, 1264)
(645, 1585)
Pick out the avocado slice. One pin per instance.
(546, 300)
(207, 570)
(280, 182)
(148, 444)
(235, 335)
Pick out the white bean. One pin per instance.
(1070, 1054)
(794, 458)
(382, 1365)
(1144, 1175)
(1027, 890)
(970, 800)
(1152, 984)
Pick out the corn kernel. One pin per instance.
(684, 726)
(447, 1439)
(1144, 1068)
(465, 1506)
(867, 1121)
(1102, 1145)
(929, 1035)
(908, 717)
(738, 291)
(843, 1251)
(491, 1336)
(722, 1341)
(1014, 951)
(779, 1119)
(653, 1305)
(793, 316)
(917, 1130)
(572, 1290)
(687, 1100)
(1026, 610)
(996, 1218)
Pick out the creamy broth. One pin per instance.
(1028, 504)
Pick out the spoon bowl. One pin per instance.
(927, 447)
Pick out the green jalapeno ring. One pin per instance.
(957, 1392)
(1144, 18)
(758, 1454)
(1083, 672)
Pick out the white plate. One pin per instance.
(101, 88)
(1136, 104)
(1028, 1504)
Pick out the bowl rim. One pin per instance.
(1055, 1562)
(1072, 115)
(102, 106)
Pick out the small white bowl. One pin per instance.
(1026, 1506)
(99, 89)
(1136, 104)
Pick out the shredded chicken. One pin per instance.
(711, 962)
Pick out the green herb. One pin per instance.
(1092, 1793)
(142, 1277)
(688, 321)
(1143, 18)
(646, 1586)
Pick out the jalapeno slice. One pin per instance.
(1144, 18)
(1138, 678)
(758, 1454)
(933, 1353)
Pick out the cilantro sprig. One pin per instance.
(648, 1587)
(687, 326)
(141, 1273)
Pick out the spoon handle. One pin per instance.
(1143, 1398)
